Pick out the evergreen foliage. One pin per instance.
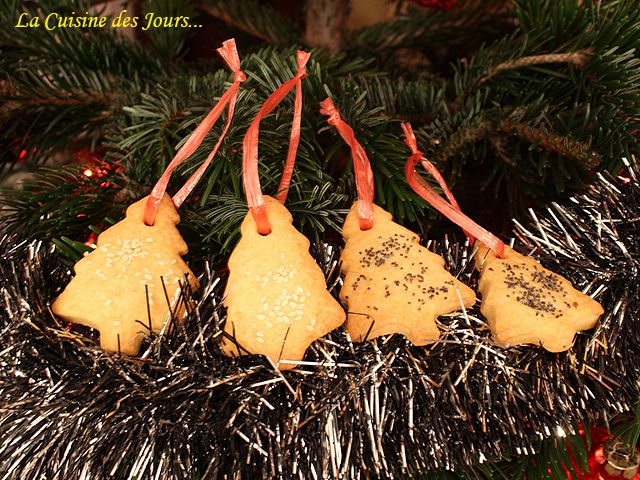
(526, 100)
(549, 98)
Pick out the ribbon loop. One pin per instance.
(251, 178)
(229, 54)
(450, 209)
(361, 164)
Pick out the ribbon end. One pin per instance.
(302, 57)
(229, 53)
(150, 210)
(259, 213)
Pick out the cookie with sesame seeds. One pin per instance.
(276, 296)
(526, 303)
(126, 286)
(392, 284)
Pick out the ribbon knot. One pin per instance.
(302, 59)
(328, 108)
(239, 76)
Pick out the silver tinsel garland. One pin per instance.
(378, 409)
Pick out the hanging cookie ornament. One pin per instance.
(391, 283)
(131, 283)
(524, 303)
(276, 297)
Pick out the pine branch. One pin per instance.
(562, 145)
(575, 58)
(532, 130)
(438, 31)
(34, 210)
(627, 426)
(258, 20)
(168, 43)
(66, 80)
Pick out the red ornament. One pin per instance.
(609, 459)
(439, 4)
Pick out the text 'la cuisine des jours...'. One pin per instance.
(54, 21)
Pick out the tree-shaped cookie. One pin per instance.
(394, 285)
(526, 303)
(276, 297)
(131, 281)
(391, 283)
(522, 301)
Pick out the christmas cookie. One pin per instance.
(276, 297)
(394, 285)
(526, 303)
(127, 285)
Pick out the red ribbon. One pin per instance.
(250, 175)
(450, 209)
(361, 165)
(229, 53)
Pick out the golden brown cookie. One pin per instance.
(108, 290)
(526, 303)
(276, 297)
(394, 285)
